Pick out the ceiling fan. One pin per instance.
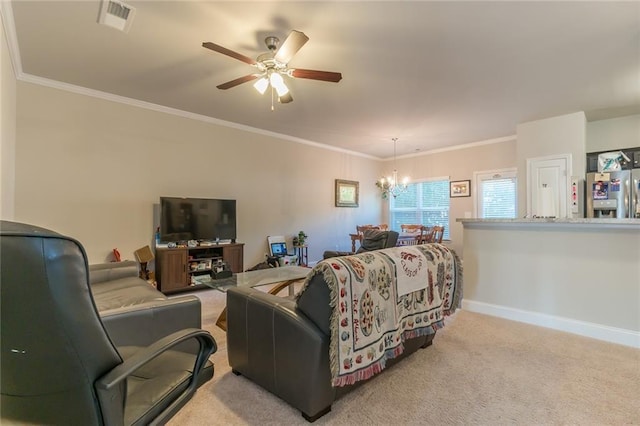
(273, 65)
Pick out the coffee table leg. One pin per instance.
(279, 287)
(222, 319)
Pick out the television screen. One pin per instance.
(183, 219)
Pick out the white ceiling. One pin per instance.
(432, 74)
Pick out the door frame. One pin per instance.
(531, 167)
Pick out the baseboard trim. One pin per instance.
(596, 331)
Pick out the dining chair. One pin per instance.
(359, 235)
(411, 234)
(437, 232)
(433, 234)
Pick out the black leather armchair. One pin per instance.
(372, 239)
(59, 365)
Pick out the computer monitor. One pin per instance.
(278, 249)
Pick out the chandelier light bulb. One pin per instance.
(391, 184)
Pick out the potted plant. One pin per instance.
(302, 238)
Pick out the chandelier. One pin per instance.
(390, 184)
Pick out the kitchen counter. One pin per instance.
(594, 223)
(575, 275)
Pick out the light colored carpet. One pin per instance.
(480, 370)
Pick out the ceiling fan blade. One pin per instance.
(294, 42)
(231, 53)
(333, 77)
(237, 81)
(285, 99)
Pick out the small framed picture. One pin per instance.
(460, 188)
(346, 193)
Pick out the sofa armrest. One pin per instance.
(275, 345)
(101, 272)
(144, 323)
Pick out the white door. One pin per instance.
(549, 186)
(495, 194)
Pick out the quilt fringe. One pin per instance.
(364, 374)
(373, 369)
(369, 371)
(458, 279)
(424, 331)
(330, 278)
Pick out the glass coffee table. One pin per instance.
(283, 276)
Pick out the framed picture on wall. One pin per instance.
(459, 188)
(347, 193)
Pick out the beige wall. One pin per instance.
(7, 129)
(615, 133)
(94, 169)
(457, 164)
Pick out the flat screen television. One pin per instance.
(202, 219)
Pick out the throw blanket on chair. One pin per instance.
(381, 298)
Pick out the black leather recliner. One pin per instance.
(372, 239)
(59, 365)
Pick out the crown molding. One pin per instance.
(6, 14)
(28, 78)
(510, 138)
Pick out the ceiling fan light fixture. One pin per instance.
(261, 85)
(282, 90)
(285, 99)
(278, 83)
(272, 66)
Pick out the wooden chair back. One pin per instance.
(411, 228)
(437, 233)
(434, 234)
(411, 234)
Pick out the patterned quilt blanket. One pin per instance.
(383, 297)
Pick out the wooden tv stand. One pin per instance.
(176, 266)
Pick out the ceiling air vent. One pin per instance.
(116, 14)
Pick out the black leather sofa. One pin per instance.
(283, 345)
(123, 298)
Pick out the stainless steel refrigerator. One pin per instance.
(613, 194)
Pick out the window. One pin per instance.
(425, 203)
(496, 193)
